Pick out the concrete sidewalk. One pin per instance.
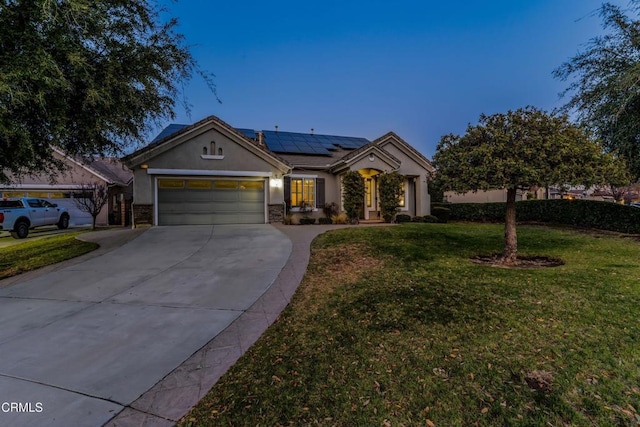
(92, 340)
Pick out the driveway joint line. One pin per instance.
(61, 388)
(197, 248)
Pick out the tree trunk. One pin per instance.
(94, 223)
(510, 238)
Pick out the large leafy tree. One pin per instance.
(604, 83)
(87, 76)
(516, 151)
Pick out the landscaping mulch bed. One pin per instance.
(522, 261)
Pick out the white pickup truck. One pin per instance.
(18, 216)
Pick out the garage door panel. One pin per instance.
(176, 208)
(252, 196)
(238, 208)
(210, 202)
(76, 215)
(186, 219)
(225, 196)
(183, 196)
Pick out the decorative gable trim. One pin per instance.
(364, 152)
(405, 147)
(186, 133)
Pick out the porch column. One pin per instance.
(423, 199)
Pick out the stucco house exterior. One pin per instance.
(212, 173)
(64, 187)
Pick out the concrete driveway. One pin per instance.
(79, 344)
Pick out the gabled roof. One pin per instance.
(109, 169)
(369, 147)
(112, 168)
(301, 150)
(168, 131)
(403, 145)
(172, 132)
(365, 151)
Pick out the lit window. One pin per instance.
(369, 189)
(303, 190)
(401, 199)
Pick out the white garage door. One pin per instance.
(76, 215)
(215, 201)
(62, 198)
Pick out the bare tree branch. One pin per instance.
(92, 199)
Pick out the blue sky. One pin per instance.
(362, 68)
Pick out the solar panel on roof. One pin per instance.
(304, 143)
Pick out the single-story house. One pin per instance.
(66, 186)
(212, 173)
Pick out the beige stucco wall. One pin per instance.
(413, 169)
(377, 163)
(186, 154)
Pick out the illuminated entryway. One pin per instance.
(370, 208)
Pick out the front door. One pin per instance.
(370, 208)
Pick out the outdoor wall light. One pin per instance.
(276, 182)
(144, 166)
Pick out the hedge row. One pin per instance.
(577, 213)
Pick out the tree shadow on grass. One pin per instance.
(403, 306)
(425, 242)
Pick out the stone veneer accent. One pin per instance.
(142, 214)
(276, 213)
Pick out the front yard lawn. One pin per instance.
(395, 326)
(41, 252)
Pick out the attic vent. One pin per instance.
(260, 138)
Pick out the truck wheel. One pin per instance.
(64, 222)
(20, 230)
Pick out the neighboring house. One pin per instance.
(569, 192)
(212, 173)
(63, 188)
(489, 196)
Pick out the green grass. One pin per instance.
(394, 326)
(41, 252)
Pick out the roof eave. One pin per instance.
(152, 150)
